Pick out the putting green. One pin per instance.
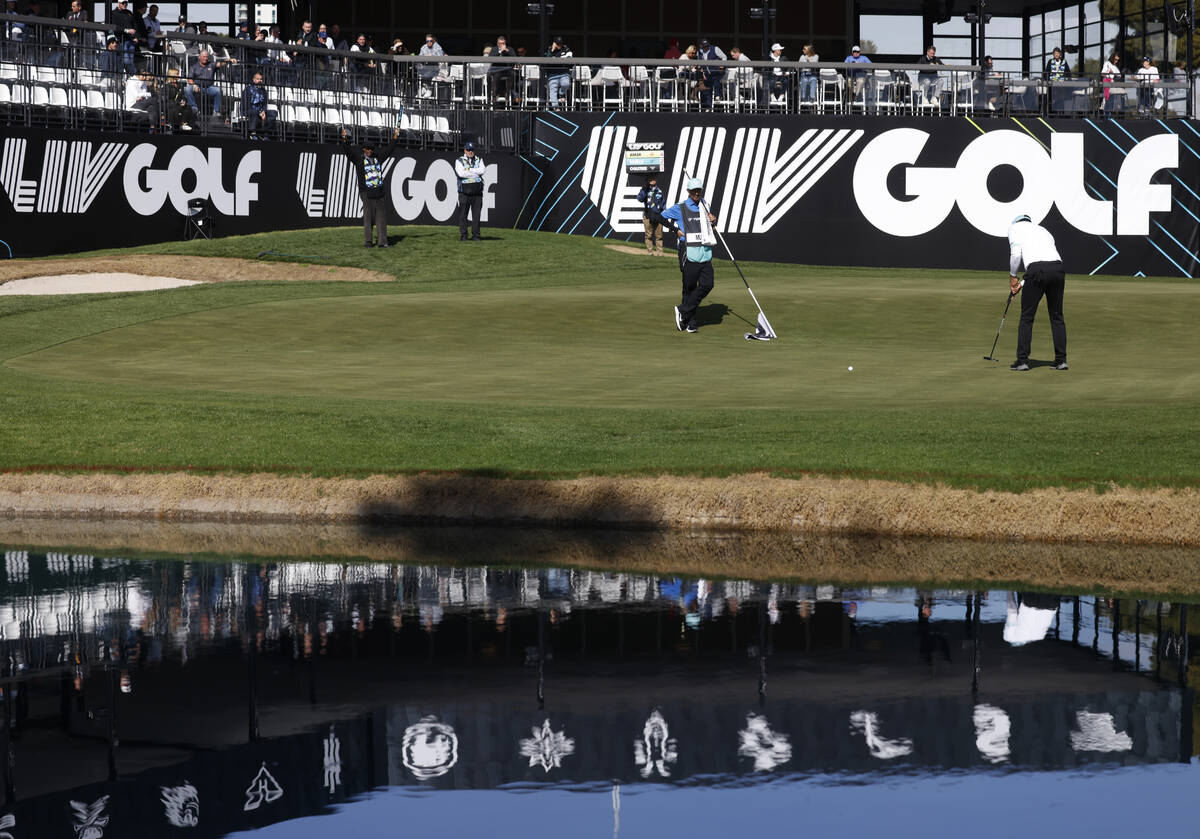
(912, 343)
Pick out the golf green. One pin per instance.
(551, 355)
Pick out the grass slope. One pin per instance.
(552, 355)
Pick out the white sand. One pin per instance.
(90, 284)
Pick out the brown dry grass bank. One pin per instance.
(205, 269)
(940, 563)
(739, 503)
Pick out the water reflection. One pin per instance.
(219, 696)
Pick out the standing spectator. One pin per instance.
(278, 56)
(243, 33)
(672, 49)
(1147, 75)
(364, 68)
(428, 72)
(777, 80)
(398, 69)
(558, 76)
(808, 78)
(336, 41)
(1057, 70)
(695, 224)
(180, 115)
(77, 14)
(125, 27)
(202, 78)
(306, 38)
(740, 77)
(259, 115)
(470, 171)
(371, 185)
(857, 78)
(931, 82)
(154, 30)
(1110, 72)
(1033, 245)
(653, 203)
(502, 76)
(711, 76)
(139, 96)
(111, 60)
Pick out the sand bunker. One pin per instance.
(90, 284)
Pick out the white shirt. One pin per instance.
(469, 170)
(1030, 243)
(135, 91)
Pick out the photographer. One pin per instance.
(470, 170)
(653, 203)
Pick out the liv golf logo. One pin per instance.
(73, 173)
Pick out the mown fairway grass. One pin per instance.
(532, 354)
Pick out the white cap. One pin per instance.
(856, 48)
(695, 183)
(776, 47)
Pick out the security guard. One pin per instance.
(695, 224)
(469, 169)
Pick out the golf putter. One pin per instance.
(991, 356)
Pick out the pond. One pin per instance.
(209, 695)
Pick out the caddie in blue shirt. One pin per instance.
(695, 226)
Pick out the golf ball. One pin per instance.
(850, 369)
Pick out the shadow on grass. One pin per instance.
(711, 314)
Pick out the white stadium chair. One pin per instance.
(58, 97)
(5, 96)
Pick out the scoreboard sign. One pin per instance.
(644, 158)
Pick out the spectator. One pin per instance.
(989, 85)
(398, 48)
(673, 49)
(257, 109)
(428, 72)
(740, 77)
(154, 30)
(712, 77)
(77, 14)
(278, 56)
(125, 27)
(306, 38)
(243, 33)
(858, 78)
(558, 76)
(1057, 70)
(180, 116)
(337, 42)
(363, 68)
(808, 78)
(777, 80)
(371, 188)
(1110, 72)
(112, 59)
(323, 40)
(1147, 75)
(139, 96)
(202, 78)
(502, 76)
(653, 203)
(930, 81)
(143, 33)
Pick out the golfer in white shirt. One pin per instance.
(1033, 245)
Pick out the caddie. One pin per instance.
(695, 226)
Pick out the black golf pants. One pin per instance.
(1043, 279)
(697, 283)
(375, 216)
(471, 204)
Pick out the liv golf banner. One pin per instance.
(1120, 197)
(61, 193)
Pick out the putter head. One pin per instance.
(989, 358)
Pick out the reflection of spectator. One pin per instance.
(1057, 70)
(808, 78)
(858, 78)
(558, 76)
(257, 109)
(1147, 75)
(931, 82)
(1111, 72)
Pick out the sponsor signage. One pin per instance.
(644, 158)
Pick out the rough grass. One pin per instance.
(534, 355)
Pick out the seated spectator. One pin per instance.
(1057, 70)
(1147, 75)
(202, 78)
(1114, 98)
(740, 77)
(112, 59)
(778, 83)
(930, 80)
(711, 77)
(808, 78)
(257, 108)
(558, 76)
(502, 76)
(139, 96)
(428, 72)
(989, 84)
(180, 116)
(857, 78)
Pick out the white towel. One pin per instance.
(707, 237)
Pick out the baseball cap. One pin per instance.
(776, 47)
(183, 18)
(695, 183)
(469, 146)
(704, 42)
(856, 48)
(558, 39)
(1022, 218)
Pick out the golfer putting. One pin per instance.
(1033, 245)
(695, 227)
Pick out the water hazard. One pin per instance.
(212, 697)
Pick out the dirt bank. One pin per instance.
(208, 269)
(747, 503)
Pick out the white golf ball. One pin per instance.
(850, 369)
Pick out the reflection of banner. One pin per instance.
(118, 189)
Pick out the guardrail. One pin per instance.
(88, 76)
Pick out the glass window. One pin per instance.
(216, 15)
(1092, 60)
(955, 26)
(1008, 65)
(1005, 27)
(1004, 48)
(1053, 20)
(1091, 33)
(1071, 17)
(266, 13)
(948, 48)
(1035, 24)
(893, 34)
(1036, 47)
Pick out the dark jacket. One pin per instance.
(653, 202)
(1062, 71)
(123, 20)
(925, 59)
(370, 172)
(254, 99)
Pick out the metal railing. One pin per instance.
(74, 75)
